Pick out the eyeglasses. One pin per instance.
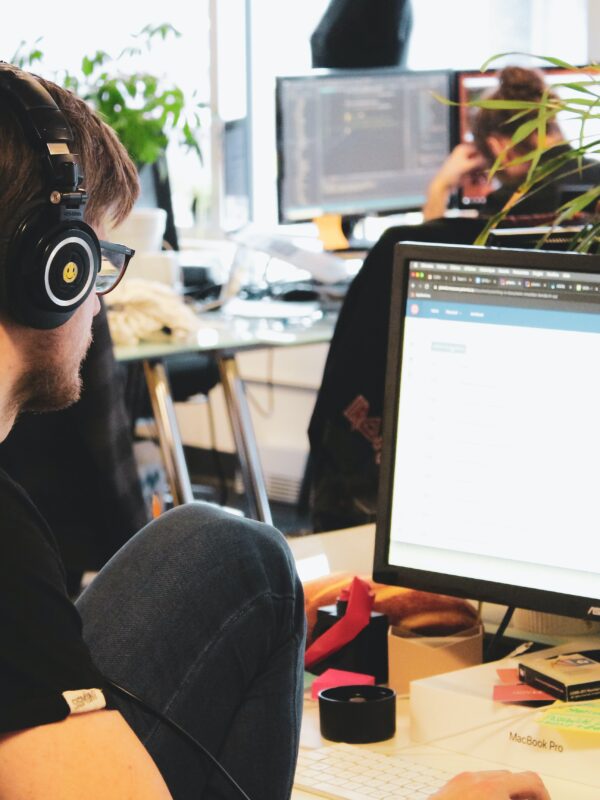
(113, 263)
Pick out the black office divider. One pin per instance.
(362, 33)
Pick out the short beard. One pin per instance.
(47, 384)
(48, 391)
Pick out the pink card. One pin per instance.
(339, 677)
(519, 693)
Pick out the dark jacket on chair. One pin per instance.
(345, 428)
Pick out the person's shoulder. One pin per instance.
(23, 529)
(14, 499)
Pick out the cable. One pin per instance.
(499, 633)
(180, 731)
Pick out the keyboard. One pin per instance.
(343, 772)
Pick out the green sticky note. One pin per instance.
(573, 716)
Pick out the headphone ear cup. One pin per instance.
(51, 268)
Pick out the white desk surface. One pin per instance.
(220, 333)
(352, 550)
(454, 762)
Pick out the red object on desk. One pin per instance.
(357, 616)
(340, 677)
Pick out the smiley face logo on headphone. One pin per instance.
(70, 272)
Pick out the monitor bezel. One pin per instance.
(346, 74)
(469, 588)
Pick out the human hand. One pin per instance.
(462, 161)
(500, 785)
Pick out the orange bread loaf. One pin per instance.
(422, 612)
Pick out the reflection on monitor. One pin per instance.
(491, 428)
(472, 86)
(359, 142)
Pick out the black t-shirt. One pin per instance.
(571, 178)
(42, 652)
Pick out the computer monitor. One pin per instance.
(358, 142)
(155, 192)
(473, 85)
(491, 430)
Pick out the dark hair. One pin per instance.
(516, 83)
(110, 177)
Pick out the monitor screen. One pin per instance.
(491, 428)
(472, 86)
(359, 142)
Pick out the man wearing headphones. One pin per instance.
(200, 616)
(192, 635)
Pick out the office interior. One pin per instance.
(227, 230)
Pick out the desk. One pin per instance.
(352, 550)
(222, 336)
(454, 762)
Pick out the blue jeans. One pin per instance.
(201, 614)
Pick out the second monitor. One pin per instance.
(358, 142)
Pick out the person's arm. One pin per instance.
(95, 756)
(464, 159)
(499, 785)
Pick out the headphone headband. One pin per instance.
(45, 126)
(52, 256)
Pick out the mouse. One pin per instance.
(299, 295)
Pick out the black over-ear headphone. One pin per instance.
(50, 257)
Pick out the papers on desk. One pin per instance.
(324, 267)
(271, 309)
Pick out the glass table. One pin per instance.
(224, 335)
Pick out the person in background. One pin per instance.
(493, 129)
(345, 427)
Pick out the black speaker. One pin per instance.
(49, 257)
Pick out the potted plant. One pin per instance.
(146, 110)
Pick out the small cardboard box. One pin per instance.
(412, 656)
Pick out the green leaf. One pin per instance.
(143, 108)
(557, 62)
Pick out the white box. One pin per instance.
(456, 712)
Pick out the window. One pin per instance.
(108, 27)
(465, 33)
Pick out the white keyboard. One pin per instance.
(343, 772)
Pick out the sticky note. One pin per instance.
(583, 717)
(330, 232)
(340, 677)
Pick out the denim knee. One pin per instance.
(197, 538)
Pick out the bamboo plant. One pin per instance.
(580, 100)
